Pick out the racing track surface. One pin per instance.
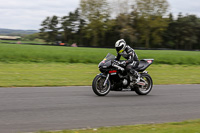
(56, 108)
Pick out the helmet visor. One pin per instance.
(119, 49)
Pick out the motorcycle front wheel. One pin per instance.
(145, 89)
(98, 88)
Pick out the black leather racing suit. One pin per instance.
(132, 61)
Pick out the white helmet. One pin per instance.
(120, 46)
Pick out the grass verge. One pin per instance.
(175, 127)
(61, 74)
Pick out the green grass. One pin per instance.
(61, 74)
(17, 41)
(50, 74)
(175, 127)
(28, 65)
(45, 54)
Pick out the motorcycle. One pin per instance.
(113, 77)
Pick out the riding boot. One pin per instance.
(136, 75)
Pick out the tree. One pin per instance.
(122, 6)
(96, 13)
(183, 33)
(124, 24)
(43, 33)
(168, 36)
(150, 21)
(49, 30)
(71, 26)
(186, 31)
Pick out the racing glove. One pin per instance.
(123, 63)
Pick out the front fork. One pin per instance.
(107, 77)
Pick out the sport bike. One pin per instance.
(113, 77)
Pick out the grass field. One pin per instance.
(44, 54)
(61, 74)
(175, 127)
(30, 65)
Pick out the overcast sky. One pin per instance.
(28, 14)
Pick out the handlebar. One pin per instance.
(118, 67)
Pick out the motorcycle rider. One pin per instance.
(128, 53)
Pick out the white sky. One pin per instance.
(28, 14)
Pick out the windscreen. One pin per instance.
(109, 57)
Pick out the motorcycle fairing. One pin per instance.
(144, 64)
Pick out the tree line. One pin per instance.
(142, 23)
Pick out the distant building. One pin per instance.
(10, 37)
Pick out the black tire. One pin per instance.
(144, 90)
(97, 86)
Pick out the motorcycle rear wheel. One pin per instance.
(98, 88)
(144, 90)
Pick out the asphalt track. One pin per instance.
(56, 108)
